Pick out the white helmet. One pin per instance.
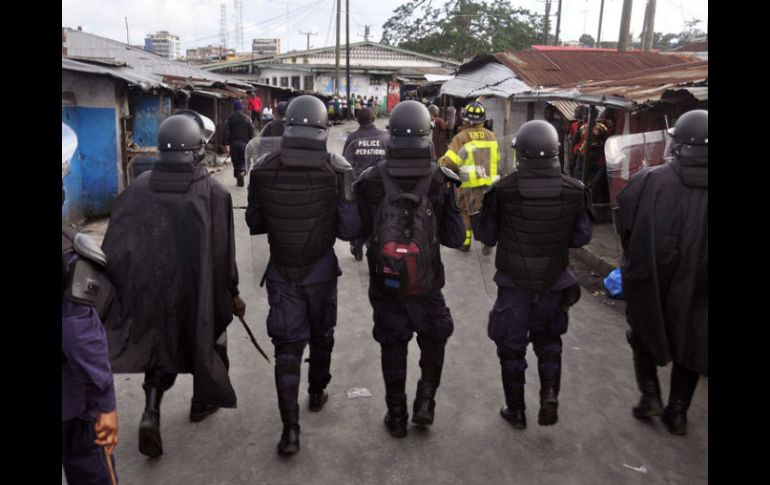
(69, 143)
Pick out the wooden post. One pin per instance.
(506, 135)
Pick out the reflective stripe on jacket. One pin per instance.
(474, 154)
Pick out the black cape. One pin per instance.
(664, 232)
(171, 257)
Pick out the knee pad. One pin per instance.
(293, 348)
(504, 353)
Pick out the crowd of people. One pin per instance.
(165, 281)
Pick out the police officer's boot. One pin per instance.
(397, 416)
(549, 370)
(683, 383)
(513, 411)
(199, 410)
(317, 399)
(239, 178)
(393, 359)
(289, 443)
(320, 360)
(647, 381)
(150, 443)
(424, 403)
(288, 358)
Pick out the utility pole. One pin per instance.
(547, 21)
(347, 51)
(337, 54)
(308, 34)
(599, 34)
(625, 25)
(649, 26)
(127, 41)
(367, 30)
(222, 27)
(558, 24)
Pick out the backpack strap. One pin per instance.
(423, 185)
(391, 188)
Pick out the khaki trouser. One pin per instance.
(470, 203)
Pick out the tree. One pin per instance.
(586, 41)
(461, 28)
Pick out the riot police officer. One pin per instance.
(363, 149)
(171, 250)
(409, 168)
(534, 215)
(663, 215)
(89, 414)
(302, 273)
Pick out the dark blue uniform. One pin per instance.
(87, 390)
(303, 311)
(395, 319)
(519, 316)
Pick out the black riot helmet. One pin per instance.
(692, 128)
(536, 139)
(410, 126)
(691, 147)
(537, 153)
(305, 123)
(182, 137)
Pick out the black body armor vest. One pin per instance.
(298, 193)
(534, 233)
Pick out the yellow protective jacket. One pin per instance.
(474, 155)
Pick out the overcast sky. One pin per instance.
(197, 22)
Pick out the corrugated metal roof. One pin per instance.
(650, 84)
(80, 44)
(124, 73)
(556, 68)
(301, 53)
(633, 89)
(490, 79)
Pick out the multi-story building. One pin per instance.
(209, 53)
(265, 47)
(163, 44)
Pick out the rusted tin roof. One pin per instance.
(633, 89)
(647, 85)
(93, 49)
(559, 67)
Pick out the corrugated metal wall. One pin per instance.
(92, 185)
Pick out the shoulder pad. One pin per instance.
(366, 174)
(451, 175)
(87, 247)
(89, 285)
(339, 164)
(262, 160)
(573, 182)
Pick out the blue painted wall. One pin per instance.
(148, 115)
(92, 185)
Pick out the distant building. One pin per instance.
(376, 70)
(163, 44)
(208, 53)
(115, 97)
(265, 47)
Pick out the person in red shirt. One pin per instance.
(574, 133)
(255, 103)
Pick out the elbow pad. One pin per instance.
(345, 177)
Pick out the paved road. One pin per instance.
(469, 442)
